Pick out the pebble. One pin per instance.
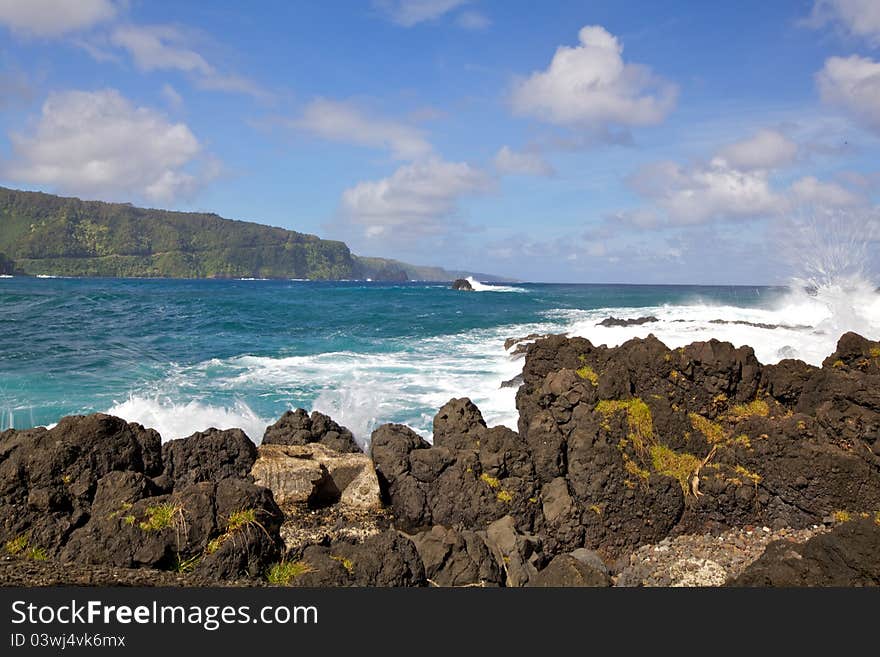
(704, 559)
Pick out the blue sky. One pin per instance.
(591, 141)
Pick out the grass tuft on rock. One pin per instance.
(162, 516)
(285, 572)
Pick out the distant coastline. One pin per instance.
(43, 234)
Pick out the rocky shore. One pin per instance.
(631, 466)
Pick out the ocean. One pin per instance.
(183, 355)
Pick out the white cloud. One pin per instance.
(166, 47)
(159, 47)
(53, 18)
(416, 200)
(860, 18)
(766, 149)
(639, 218)
(407, 13)
(591, 86)
(170, 95)
(99, 143)
(812, 191)
(518, 163)
(343, 122)
(852, 83)
(707, 192)
(473, 20)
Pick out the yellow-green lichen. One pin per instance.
(16, 545)
(490, 481)
(841, 516)
(587, 373)
(634, 469)
(838, 364)
(713, 431)
(638, 416)
(875, 352)
(595, 508)
(347, 563)
(758, 407)
(678, 465)
(504, 496)
(754, 477)
(742, 440)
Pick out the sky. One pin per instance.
(565, 141)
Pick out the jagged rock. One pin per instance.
(387, 559)
(207, 456)
(315, 475)
(614, 321)
(520, 554)
(485, 473)
(462, 284)
(456, 558)
(48, 478)
(785, 380)
(298, 428)
(223, 530)
(846, 556)
(567, 570)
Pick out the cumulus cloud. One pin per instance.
(590, 85)
(715, 191)
(418, 199)
(853, 84)
(99, 143)
(407, 13)
(54, 18)
(171, 96)
(519, 163)
(344, 122)
(859, 18)
(766, 149)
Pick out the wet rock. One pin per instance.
(462, 284)
(614, 321)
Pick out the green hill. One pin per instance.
(45, 234)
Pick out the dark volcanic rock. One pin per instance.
(207, 456)
(614, 321)
(567, 570)
(462, 284)
(48, 478)
(457, 558)
(846, 556)
(298, 428)
(387, 559)
(472, 476)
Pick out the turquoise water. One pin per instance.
(181, 356)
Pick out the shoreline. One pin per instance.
(620, 455)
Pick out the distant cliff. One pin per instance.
(46, 234)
